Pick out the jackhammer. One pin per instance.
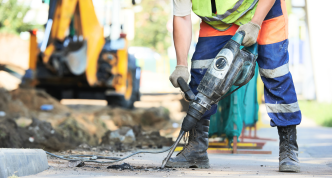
(231, 66)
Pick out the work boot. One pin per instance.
(288, 149)
(194, 154)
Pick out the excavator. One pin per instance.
(75, 60)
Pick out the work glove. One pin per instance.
(180, 71)
(251, 29)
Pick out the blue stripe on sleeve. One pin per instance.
(285, 119)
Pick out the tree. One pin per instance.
(150, 25)
(11, 17)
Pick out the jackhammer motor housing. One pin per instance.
(231, 66)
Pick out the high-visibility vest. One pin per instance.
(228, 12)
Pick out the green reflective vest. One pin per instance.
(229, 12)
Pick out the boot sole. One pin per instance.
(200, 165)
(289, 168)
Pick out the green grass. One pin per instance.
(321, 113)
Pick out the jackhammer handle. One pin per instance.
(186, 90)
(238, 37)
(253, 49)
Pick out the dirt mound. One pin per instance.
(33, 99)
(95, 128)
(81, 129)
(12, 107)
(127, 138)
(39, 134)
(28, 102)
(152, 119)
(150, 139)
(62, 127)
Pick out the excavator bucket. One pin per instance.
(76, 57)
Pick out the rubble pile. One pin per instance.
(127, 138)
(62, 128)
(39, 134)
(81, 130)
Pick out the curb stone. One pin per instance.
(22, 162)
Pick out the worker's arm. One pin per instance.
(263, 7)
(182, 39)
(252, 28)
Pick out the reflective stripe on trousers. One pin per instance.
(280, 96)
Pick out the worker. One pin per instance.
(264, 22)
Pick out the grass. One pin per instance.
(321, 113)
(13, 176)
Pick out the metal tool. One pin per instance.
(171, 151)
(190, 96)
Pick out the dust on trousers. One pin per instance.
(280, 96)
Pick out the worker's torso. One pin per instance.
(221, 14)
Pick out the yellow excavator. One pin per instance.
(75, 60)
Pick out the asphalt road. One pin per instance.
(315, 154)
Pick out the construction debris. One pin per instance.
(39, 134)
(75, 164)
(59, 127)
(150, 139)
(2, 114)
(127, 138)
(124, 135)
(121, 139)
(120, 167)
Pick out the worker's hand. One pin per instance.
(180, 71)
(251, 29)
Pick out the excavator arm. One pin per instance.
(86, 25)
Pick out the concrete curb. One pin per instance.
(22, 162)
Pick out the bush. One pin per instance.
(321, 113)
(11, 17)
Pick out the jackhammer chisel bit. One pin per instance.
(172, 149)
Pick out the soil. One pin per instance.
(65, 127)
(39, 134)
(12, 107)
(143, 139)
(33, 99)
(27, 103)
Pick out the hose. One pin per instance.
(92, 158)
